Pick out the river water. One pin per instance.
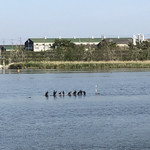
(116, 119)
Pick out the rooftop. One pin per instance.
(74, 40)
(120, 40)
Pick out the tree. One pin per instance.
(68, 51)
(144, 47)
(62, 43)
(105, 44)
(132, 46)
(107, 49)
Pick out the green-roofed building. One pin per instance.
(10, 47)
(121, 42)
(42, 44)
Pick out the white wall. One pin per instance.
(42, 46)
(86, 43)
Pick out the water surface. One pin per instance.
(117, 119)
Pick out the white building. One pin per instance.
(42, 44)
(140, 38)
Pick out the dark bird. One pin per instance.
(84, 93)
(75, 93)
(46, 94)
(69, 93)
(79, 93)
(60, 93)
(54, 93)
(63, 93)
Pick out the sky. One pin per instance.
(23, 19)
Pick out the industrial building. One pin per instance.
(43, 44)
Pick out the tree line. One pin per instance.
(65, 50)
(104, 51)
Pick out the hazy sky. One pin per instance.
(68, 18)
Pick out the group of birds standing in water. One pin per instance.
(74, 93)
(62, 93)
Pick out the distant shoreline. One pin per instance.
(79, 65)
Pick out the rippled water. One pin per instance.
(117, 119)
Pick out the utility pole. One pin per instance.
(2, 57)
(44, 42)
(3, 43)
(20, 42)
(12, 44)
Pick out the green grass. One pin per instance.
(60, 65)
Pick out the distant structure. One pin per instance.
(120, 42)
(140, 38)
(134, 40)
(103, 37)
(10, 47)
(43, 44)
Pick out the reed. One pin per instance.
(80, 65)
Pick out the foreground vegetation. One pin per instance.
(92, 65)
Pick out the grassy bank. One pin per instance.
(80, 65)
